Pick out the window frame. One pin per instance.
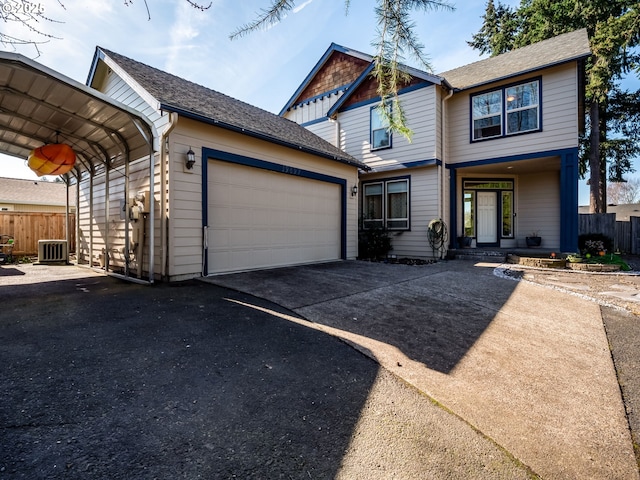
(504, 110)
(384, 222)
(374, 111)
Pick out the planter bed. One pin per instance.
(560, 263)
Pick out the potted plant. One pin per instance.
(464, 241)
(534, 239)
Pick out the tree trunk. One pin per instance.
(595, 181)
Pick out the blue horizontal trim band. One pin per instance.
(378, 99)
(271, 166)
(422, 163)
(313, 122)
(512, 158)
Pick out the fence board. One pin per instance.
(28, 228)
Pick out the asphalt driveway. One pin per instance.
(103, 379)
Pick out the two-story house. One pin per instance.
(494, 150)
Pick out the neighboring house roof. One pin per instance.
(554, 51)
(191, 100)
(32, 192)
(623, 212)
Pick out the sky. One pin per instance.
(263, 68)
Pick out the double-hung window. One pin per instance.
(386, 204)
(507, 111)
(380, 133)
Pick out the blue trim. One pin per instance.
(205, 210)
(422, 163)
(354, 86)
(512, 158)
(384, 181)
(369, 101)
(334, 47)
(209, 153)
(569, 201)
(313, 122)
(385, 147)
(320, 96)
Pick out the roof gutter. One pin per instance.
(262, 136)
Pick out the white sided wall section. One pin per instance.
(420, 108)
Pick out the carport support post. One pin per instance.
(106, 218)
(127, 251)
(151, 233)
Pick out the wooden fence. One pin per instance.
(625, 234)
(28, 228)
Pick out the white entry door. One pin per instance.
(487, 217)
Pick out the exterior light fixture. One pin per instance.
(354, 190)
(191, 159)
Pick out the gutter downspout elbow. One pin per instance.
(443, 151)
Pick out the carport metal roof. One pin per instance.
(39, 106)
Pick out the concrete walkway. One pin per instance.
(527, 366)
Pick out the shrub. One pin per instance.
(374, 243)
(594, 243)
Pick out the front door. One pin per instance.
(487, 227)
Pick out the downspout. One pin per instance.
(443, 150)
(164, 162)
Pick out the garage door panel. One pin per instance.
(260, 219)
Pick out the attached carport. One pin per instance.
(40, 106)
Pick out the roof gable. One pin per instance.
(209, 106)
(547, 53)
(341, 68)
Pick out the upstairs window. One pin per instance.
(380, 136)
(508, 111)
(487, 115)
(522, 108)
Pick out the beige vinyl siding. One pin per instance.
(420, 111)
(116, 88)
(138, 182)
(538, 208)
(185, 234)
(423, 201)
(327, 130)
(559, 120)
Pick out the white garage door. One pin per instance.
(260, 218)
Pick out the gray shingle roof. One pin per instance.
(32, 192)
(554, 51)
(190, 99)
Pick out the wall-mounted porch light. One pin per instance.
(354, 190)
(191, 159)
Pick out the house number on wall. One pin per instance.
(290, 170)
